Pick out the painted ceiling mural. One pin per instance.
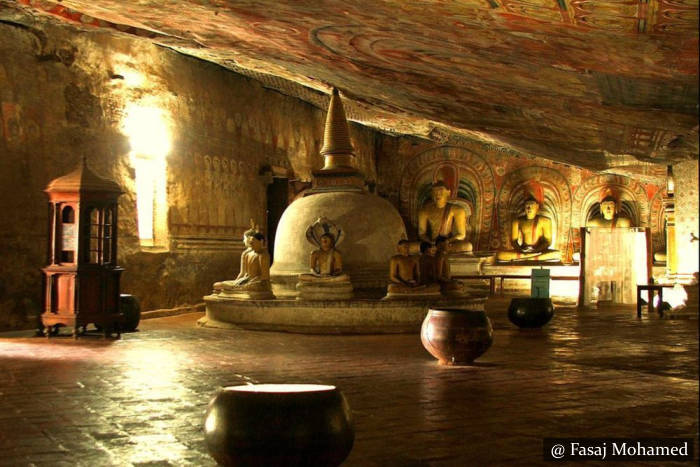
(587, 82)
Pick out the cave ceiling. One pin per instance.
(598, 84)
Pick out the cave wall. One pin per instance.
(687, 212)
(65, 94)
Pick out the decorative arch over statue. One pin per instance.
(469, 178)
(632, 199)
(556, 204)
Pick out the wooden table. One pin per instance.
(651, 288)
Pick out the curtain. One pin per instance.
(616, 261)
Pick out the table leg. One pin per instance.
(639, 302)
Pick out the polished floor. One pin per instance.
(140, 400)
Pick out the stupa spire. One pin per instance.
(338, 172)
(336, 137)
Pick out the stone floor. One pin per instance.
(140, 400)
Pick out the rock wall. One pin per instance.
(685, 175)
(66, 94)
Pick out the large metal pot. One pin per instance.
(456, 336)
(279, 425)
(530, 312)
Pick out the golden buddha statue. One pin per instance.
(326, 279)
(428, 263)
(253, 280)
(609, 218)
(531, 233)
(438, 218)
(448, 285)
(405, 277)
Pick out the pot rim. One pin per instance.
(279, 388)
(454, 310)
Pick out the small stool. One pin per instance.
(651, 288)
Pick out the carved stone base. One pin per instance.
(324, 290)
(356, 316)
(247, 295)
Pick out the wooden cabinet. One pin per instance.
(81, 282)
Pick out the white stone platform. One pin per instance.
(356, 316)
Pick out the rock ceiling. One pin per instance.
(598, 84)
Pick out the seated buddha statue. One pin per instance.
(438, 218)
(448, 285)
(326, 279)
(531, 237)
(404, 275)
(609, 218)
(428, 263)
(253, 281)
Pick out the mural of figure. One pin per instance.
(438, 218)
(531, 233)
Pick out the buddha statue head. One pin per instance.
(427, 248)
(403, 247)
(256, 241)
(608, 208)
(534, 197)
(609, 199)
(327, 242)
(248, 234)
(440, 193)
(532, 207)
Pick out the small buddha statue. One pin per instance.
(404, 276)
(609, 218)
(253, 281)
(326, 279)
(428, 263)
(448, 285)
(438, 218)
(531, 236)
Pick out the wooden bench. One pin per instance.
(492, 279)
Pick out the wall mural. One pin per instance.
(570, 196)
(213, 198)
(469, 178)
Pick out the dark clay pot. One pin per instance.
(130, 308)
(456, 336)
(530, 312)
(279, 425)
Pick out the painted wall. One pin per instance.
(64, 95)
(687, 210)
(489, 181)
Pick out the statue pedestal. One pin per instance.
(324, 290)
(248, 295)
(466, 265)
(356, 316)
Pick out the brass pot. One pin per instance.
(456, 336)
(279, 425)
